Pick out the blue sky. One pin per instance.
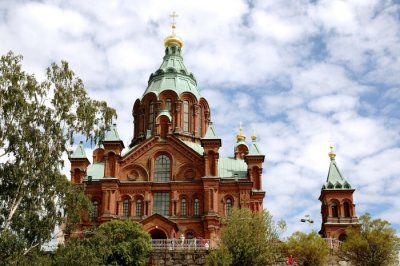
(304, 73)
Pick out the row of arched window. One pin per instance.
(186, 118)
(160, 205)
(337, 211)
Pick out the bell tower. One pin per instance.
(337, 205)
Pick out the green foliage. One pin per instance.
(113, 243)
(374, 244)
(219, 257)
(38, 122)
(307, 249)
(251, 238)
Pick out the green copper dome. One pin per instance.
(172, 75)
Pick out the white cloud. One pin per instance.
(305, 72)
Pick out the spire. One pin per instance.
(79, 152)
(173, 39)
(210, 134)
(254, 150)
(112, 134)
(240, 136)
(335, 179)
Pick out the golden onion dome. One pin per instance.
(332, 154)
(173, 39)
(240, 136)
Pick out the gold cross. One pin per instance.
(173, 16)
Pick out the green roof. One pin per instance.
(210, 134)
(96, 171)
(79, 152)
(229, 167)
(112, 134)
(166, 113)
(335, 179)
(172, 75)
(195, 146)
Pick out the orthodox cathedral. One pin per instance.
(171, 178)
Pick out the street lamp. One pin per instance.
(307, 218)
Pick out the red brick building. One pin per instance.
(171, 178)
(337, 206)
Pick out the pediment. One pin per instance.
(154, 144)
(162, 221)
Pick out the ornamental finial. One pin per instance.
(173, 38)
(240, 136)
(254, 136)
(332, 154)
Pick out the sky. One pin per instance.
(305, 74)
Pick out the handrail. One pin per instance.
(181, 244)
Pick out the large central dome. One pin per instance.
(172, 74)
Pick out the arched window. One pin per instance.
(151, 116)
(168, 104)
(183, 207)
(94, 214)
(162, 169)
(196, 209)
(186, 116)
(346, 207)
(228, 206)
(139, 208)
(125, 208)
(190, 235)
(335, 211)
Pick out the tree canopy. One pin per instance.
(374, 244)
(112, 243)
(39, 121)
(307, 249)
(250, 238)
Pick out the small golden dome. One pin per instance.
(332, 154)
(173, 38)
(241, 136)
(253, 136)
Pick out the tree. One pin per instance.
(251, 238)
(307, 249)
(38, 123)
(112, 243)
(374, 243)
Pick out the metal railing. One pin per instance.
(181, 244)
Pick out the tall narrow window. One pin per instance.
(162, 169)
(94, 214)
(125, 208)
(228, 206)
(161, 203)
(183, 207)
(151, 116)
(139, 208)
(346, 207)
(196, 207)
(186, 116)
(168, 104)
(335, 212)
(200, 122)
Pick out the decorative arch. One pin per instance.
(187, 171)
(334, 208)
(134, 172)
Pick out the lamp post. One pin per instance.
(307, 218)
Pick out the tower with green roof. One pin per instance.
(337, 206)
(172, 178)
